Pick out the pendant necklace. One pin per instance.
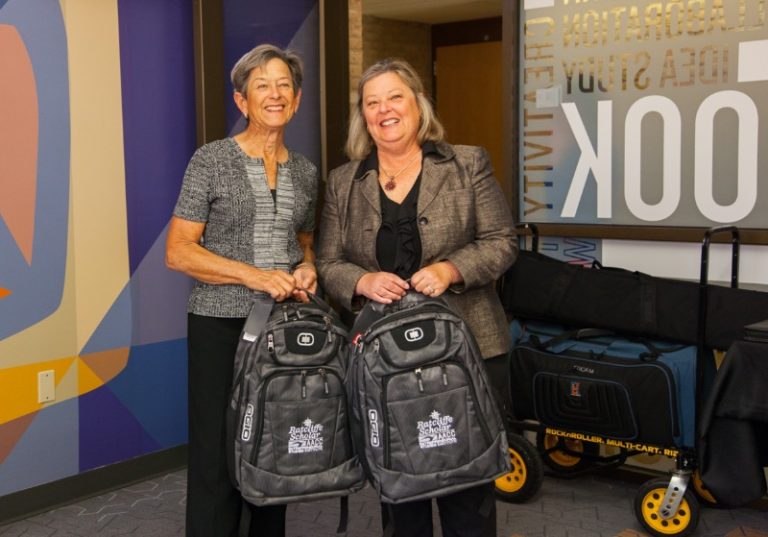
(390, 184)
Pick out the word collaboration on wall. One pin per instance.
(643, 112)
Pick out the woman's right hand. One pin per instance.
(383, 287)
(277, 283)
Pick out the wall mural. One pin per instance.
(98, 115)
(644, 112)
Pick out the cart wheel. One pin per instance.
(526, 476)
(647, 502)
(702, 493)
(565, 455)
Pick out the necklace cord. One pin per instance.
(390, 184)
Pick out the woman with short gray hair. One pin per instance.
(242, 228)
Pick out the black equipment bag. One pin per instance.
(288, 410)
(593, 382)
(539, 287)
(424, 419)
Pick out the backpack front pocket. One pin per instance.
(304, 425)
(433, 422)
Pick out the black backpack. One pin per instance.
(288, 408)
(424, 419)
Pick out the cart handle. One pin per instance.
(533, 231)
(735, 241)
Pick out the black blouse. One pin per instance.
(398, 245)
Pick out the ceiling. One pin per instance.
(432, 11)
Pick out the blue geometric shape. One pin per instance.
(37, 287)
(151, 308)
(159, 296)
(109, 433)
(47, 451)
(153, 388)
(114, 330)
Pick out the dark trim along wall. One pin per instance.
(29, 502)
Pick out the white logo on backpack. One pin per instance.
(305, 439)
(437, 431)
(247, 423)
(414, 334)
(306, 339)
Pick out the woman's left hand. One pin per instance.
(306, 278)
(433, 280)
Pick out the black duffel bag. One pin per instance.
(540, 287)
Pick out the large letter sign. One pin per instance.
(640, 112)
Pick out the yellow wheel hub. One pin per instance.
(671, 526)
(560, 457)
(514, 480)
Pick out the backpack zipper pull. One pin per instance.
(303, 383)
(270, 342)
(418, 379)
(445, 375)
(325, 380)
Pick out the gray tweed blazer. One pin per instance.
(463, 217)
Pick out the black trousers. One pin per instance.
(468, 513)
(214, 505)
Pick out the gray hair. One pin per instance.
(260, 56)
(359, 141)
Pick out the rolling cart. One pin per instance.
(572, 409)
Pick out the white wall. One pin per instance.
(683, 260)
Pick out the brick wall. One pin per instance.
(355, 47)
(411, 41)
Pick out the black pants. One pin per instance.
(498, 376)
(468, 513)
(214, 505)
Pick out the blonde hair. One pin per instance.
(359, 141)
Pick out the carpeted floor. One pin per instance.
(588, 506)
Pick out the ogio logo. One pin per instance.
(247, 423)
(373, 420)
(583, 369)
(306, 339)
(414, 334)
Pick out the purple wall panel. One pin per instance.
(109, 432)
(248, 23)
(157, 67)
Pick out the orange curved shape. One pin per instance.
(18, 398)
(18, 146)
(4, 292)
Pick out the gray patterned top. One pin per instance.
(242, 222)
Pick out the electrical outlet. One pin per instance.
(46, 386)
